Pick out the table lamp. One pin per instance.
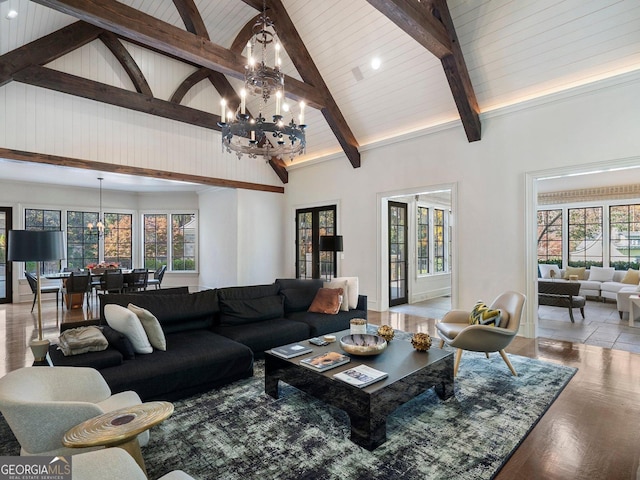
(36, 246)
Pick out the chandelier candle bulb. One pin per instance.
(249, 51)
(301, 113)
(223, 112)
(278, 101)
(243, 101)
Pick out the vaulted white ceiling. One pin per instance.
(515, 50)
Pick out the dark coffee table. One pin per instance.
(410, 374)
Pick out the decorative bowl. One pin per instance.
(363, 344)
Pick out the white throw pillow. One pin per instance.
(151, 327)
(545, 271)
(352, 283)
(344, 285)
(600, 274)
(127, 323)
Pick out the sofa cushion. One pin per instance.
(98, 360)
(119, 341)
(151, 327)
(248, 292)
(298, 293)
(127, 323)
(344, 285)
(249, 310)
(632, 277)
(481, 314)
(549, 271)
(327, 301)
(579, 271)
(601, 274)
(261, 336)
(353, 289)
(175, 312)
(321, 324)
(194, 361)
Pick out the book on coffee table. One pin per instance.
(361, 376)
(291, 350)
(325, 361)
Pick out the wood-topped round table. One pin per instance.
(119, 428)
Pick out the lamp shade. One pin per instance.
(35, 245)
(331, 243)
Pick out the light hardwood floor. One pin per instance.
(590, 431)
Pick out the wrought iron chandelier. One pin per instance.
(257, 136)
(100, 225)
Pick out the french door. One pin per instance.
(311, 224)
(5, 267)
(398, 254)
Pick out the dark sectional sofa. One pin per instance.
(212, 336)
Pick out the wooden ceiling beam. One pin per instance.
(139, 27)
(129, 170)
(307, 69)
(128, 63)
(47, 48)
(429, 23)
(101, 92)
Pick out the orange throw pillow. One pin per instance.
(327, 301)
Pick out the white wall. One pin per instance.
(592, 126)
(241, 237)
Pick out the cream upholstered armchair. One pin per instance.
(113, 463)
(454, 329)
(41, 403)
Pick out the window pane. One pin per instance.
(155, 240)
(423, 241)
(118, 239)
(183, 241)
(624, 243)
(550, 237)
(585, 237)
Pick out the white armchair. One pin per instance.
(112, 463)
(41, 403)
(622, 298)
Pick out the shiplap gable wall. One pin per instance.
(43, 121)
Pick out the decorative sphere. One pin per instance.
(421, 342)
(386, 332)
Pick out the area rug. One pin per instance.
(239, 432)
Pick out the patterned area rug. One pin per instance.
(239, 432)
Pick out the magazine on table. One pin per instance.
(291, 350)
(325, 361)
(361, 376)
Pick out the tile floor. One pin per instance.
(601, 326)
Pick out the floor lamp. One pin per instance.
(36, 246)
(331, 243)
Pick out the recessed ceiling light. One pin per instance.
(375, 63)
(11, 14)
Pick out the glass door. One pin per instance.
(311, 224)
(398, 250)
(5, 267)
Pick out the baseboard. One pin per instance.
(421, 297)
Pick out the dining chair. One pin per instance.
(137, 280)
(111, 281)
(33, 283)
(76, 284)
(158, 275)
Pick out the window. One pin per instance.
(183, 242)
(311, 224)
(585, 237)
(82, 246)
(624, 238)
(39, 219)
(181, 237)
(422, 256)
(438, 240)
(118, 239)
(550, 237)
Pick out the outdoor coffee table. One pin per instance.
(119, 428)
(410, 374)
